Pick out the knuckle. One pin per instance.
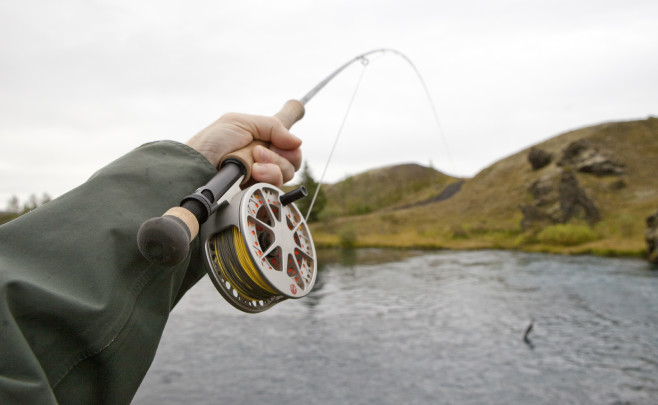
(276, 122)
(230, 116)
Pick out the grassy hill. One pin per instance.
(382, 189)
(401, 206)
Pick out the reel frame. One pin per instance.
(278, 245)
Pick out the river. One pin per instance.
(423, 327)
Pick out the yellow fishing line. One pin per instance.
(235, 264)
(223, 267)
(247, 264)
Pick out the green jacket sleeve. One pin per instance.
(81, 311)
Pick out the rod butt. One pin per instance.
(165, 240)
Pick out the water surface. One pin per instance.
(413, 327)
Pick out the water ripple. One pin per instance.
(413, 327)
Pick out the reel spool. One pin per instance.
(258, 250)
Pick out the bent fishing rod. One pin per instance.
(257, 245)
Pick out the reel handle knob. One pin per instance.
(291, 112)
(293, 195)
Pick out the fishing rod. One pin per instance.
(257, 245)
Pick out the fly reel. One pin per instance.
(258, 248)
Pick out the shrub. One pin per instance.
(566, 235)
(458, 232)
(347, 237)
(328, 215)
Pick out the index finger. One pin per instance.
(270, 129)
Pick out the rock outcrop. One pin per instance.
(586, 159)
(574, 202)
(651, 237)
(558, 198)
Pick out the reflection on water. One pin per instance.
(352, 257)
(419, 327)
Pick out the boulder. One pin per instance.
(573, 152)
(539, 158)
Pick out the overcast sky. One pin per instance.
(83, 82)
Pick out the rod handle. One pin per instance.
(291, 112)
(165, 240)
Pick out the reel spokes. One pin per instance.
(259, 251)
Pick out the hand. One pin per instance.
(234, 131)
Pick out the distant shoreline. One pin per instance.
(629, 248)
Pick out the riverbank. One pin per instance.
(603, 248)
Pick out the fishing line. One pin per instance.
(257, 246)
(340, 131)
(235, 265)
(365, 61)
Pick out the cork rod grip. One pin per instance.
(291, 112)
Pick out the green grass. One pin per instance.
(566, 235)
(383, 188)
(347, 237)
